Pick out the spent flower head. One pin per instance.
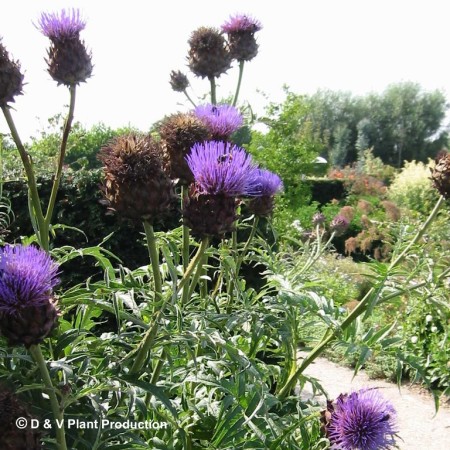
(222, 120)
(136, 185)
(209, 55)
(362, 420)
(27, 278)
(220, 168)
(11, 79)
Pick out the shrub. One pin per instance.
(412, 188)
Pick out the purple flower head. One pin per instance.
(263, 183)
(362, 420)
(241, 23)
(220, 168)
(222, 120)
(65, 25)
(27, 278)
(339, 224)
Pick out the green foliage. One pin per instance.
(402, 123)
(83, 144)
(412, 189)
(289, 149)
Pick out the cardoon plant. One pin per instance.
(222, 120)
(69, 63)
(361, 420)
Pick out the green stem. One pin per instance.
(247, 244)
(212, 81)
(62, 153)
(58, 415)
(154, 260)
(31, 180)
(196, 260)
(420, 232)
(360, 308)
(186, 245)
(189, 98)
(238, 87)
(204, 273)
(149, 337)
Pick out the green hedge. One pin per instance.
(79, 205)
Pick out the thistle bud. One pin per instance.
(136, 186)
(12, 437)
(241, 31)
(179, 132)
(11, 78)
(209, 55)
(27, 307)
(318, 219)
(178, 81)
(440, 175)
(69, 62)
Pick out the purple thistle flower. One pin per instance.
(65, 25)
(241, 23)
(27, 278)
(362, 420)
(339, 224)
(220, 168)
(263, 183)
(222, 120)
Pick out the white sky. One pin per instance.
(351, 45)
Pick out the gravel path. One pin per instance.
(420, 428)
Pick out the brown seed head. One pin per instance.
(209, 54)
(179, 132)
(136, 186)
(440, 175)
(11, 79)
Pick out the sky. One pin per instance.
(359, 46)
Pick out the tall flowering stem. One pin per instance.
(238, 87)
(57, 411)
(212, 82)
(366, 304)
(62, 153)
